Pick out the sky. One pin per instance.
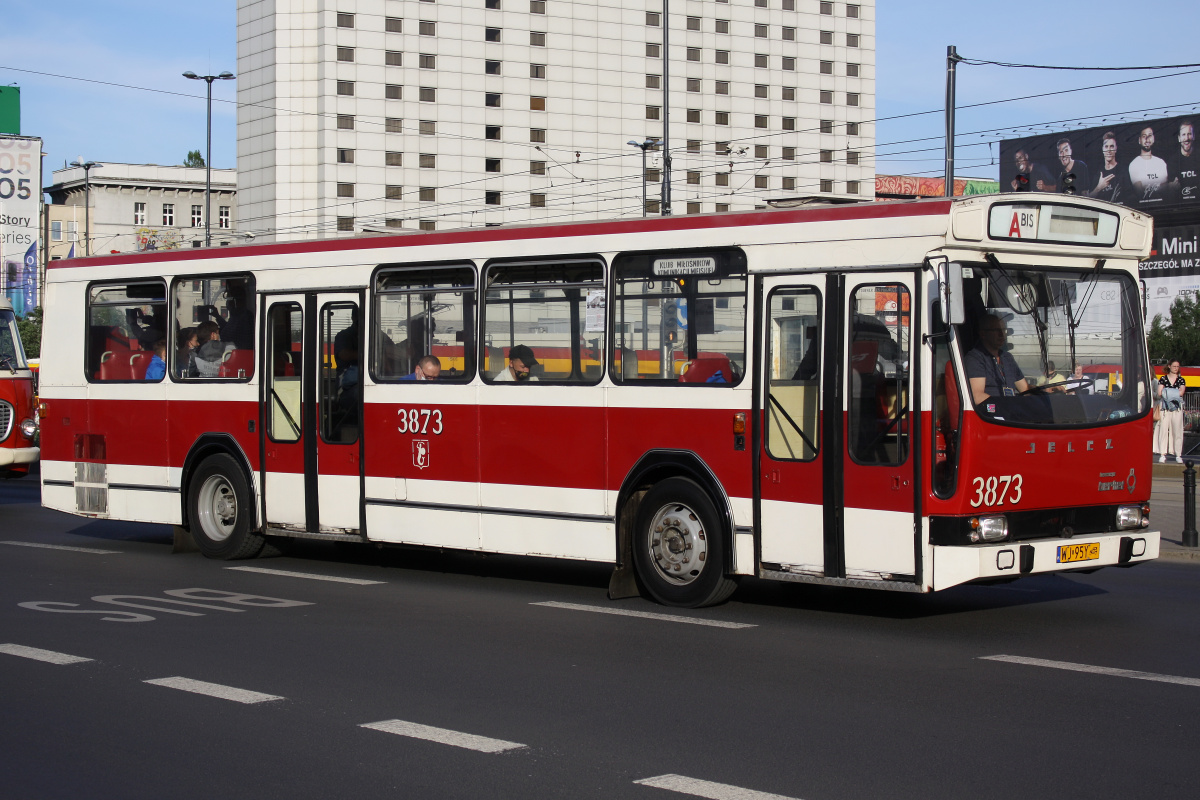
(91, 45)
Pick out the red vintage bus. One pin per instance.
(784, 394)
(18, 419)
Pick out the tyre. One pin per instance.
(678, 549)
(220, 510)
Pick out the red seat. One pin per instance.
(237, 364)
(114, 365)
(700, 369)
(139, 362)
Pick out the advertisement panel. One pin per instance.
(1172, 270)
(1145, 165)
(20, 206)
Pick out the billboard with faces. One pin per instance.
(1145, 165)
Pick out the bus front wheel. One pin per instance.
(677, 550)
(220, 510)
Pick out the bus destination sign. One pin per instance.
(705, 265)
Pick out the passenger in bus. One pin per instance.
(520, 361)
(239, 327)
(157, 369)
(1077, 376)
(206, 359)
(991, 370)
(147, 329)
(183, 355)
(428, 369)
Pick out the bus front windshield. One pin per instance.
(11, 355)
(1052, 348)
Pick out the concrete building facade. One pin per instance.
(375, 114)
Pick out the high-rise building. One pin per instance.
(381, 114)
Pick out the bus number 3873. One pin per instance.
(996, 490)
(419, 420)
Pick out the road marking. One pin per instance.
(624, 612)
(62, 547)
(1117, 673)
(309, 575)
(468, 741)
(214, 690)
(49, 656)
(713, 791)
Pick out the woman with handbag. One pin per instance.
(1169, 433)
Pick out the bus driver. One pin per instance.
(991, 370)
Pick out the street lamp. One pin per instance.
(644, 146)
(87, 166)
(208, 79)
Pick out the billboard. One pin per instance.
(20, 207)
(1172, 270)
(1144, 165)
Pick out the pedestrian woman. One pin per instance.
(1169, 436)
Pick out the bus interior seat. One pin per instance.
(704, 369)
(237, 364)
(139, 362)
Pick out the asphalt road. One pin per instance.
(476, 688)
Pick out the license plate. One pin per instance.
(1088, 551)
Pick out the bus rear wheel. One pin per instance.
(220, 510)
(677, 549)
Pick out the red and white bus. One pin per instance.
(777, 394)
(18, 420)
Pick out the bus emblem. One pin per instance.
(420, 453)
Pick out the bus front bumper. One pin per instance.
(18, 455)
(953, 565)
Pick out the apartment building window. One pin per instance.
(427, 194)
(345, 223)
(760, 90)
(760, 181)
(393, 25)
(760, 31)
(789, 184)
(721, 118)
(760, 3)
(653, 175)
(537, 71)
(826, 67)
(223, 217)
(852, 98)
(852, 157)
(493, 4)
(693, 84)
(426, 61)
(345, 54)
(491, 132)
(427, 94)
(197, 216)
(826, 37)
(653, 19)
(393, 58)
(789, 5)
(429, 224)
(393, 192)
(491, 34)
(537, 200)
(428, 128)
(392, 222)
(789, 93)
(654, 81)
(652, 206)
(760, 121)
(851, 40)
(537, 135)
(345, 122)
(789, 154)
(789, 34)
(393, 91)
(722, 26)
(491, 198)
(491, 165)
(653, 50)
(537, 167)
(693, 178)
(789, 123)
(343, 190)
(693, 115)
(345, 156)
(427, 161)
(393, 125)
(345, 88)
(168, 214)
(693, 145)
(721, 148)
(826, 125)
(693, 23)
(826, 186)
(760, 60)
(139, 218)
(852, 129)
(537, 6)
(345, 20)
(491, 99)
(393, 158)
(693, 208)
(826, 156)
(852, 11)
(426, 28)
(722, 56)
(789, 63)
(493, 68)
(722, 87)
(721, 207)
(827, 8)
(852, 187)
(693, 54)
(826, 97)
(852, 70)
(722, 178)
(653, 112)
(537, 39)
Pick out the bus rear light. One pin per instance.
(1133, 517)
(989, 529)
(739, 423)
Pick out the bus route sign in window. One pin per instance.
(1051, 222)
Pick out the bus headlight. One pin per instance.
(989, 529)
(29, 428)
(1133, 517)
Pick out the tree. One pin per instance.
(29, 328)
(1179, 338)
(194, 159)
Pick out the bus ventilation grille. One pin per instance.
(91, 488)
(6, 420)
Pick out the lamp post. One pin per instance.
(644, 146)
(208, 79)
(87, 166)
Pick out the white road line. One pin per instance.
(284, 573)
(713, 791)
(1116, 673)
(49, 656)
(63, 547)
(624, 612)
(214, 690)
(468, 741)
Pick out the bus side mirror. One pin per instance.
(950, 285)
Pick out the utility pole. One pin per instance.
(224, 76)
(952, 59)
(665, 210)
(87, 167)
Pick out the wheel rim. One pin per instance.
(217, 508)
(678, 544)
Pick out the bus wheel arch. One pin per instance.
(219, 501)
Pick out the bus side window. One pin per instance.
(125, 323)
(213, 328)
(878, 369)
(419, 312)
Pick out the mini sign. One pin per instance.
(706, 265)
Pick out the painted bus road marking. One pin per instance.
(215, 690)
(714, 791)
(624, 612)
(192, 598)
(1116, 673)
(468, 741)
(93, 550)
(37, 654)
(309, 575)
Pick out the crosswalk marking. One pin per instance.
(713, 791)
(94, 550)
(214, 690)
(309, 575)
(37, 654)
(1117, 673)
(625, 612)
(468, 741)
